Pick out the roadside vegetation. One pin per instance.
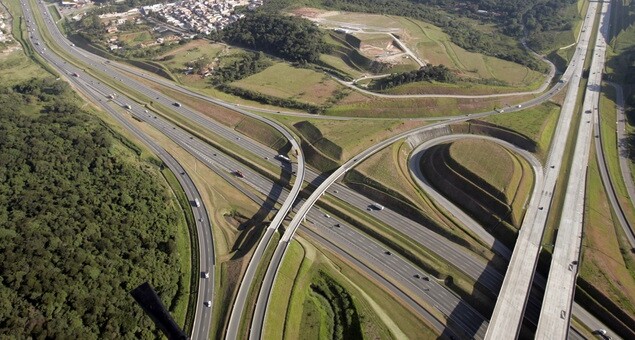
(237, 223)
(607, 273)
(318, 295)
(85, 220)
(537, 123)
(289, 38)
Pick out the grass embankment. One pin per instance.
(250, 127)
(233, 233)
(510, 179)
(608, 266)
(489, 181)
(537, 123)
(608, 126)
(305, 313)
(55, 13)
(362, 105)
(339, 140)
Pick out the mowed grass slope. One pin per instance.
(342, 139)
(607, 263)
(537, 123)
(485, 160)
(303, 314)
(485, 178)
(285, 81)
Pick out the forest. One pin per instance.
(439, 73)
(83, 220)
(249, 63)
(290, 38)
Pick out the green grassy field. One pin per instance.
(359, 105)
(486, 160)
(606, 264)
(537, 123)
(434, 46)
(176, 60)
(17, 67)
(381, 316)
(136, 38)
(347, 138)
(496, 170)
(285, 81)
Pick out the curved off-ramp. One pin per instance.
(467, 220)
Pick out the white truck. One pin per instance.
(377, 206)
(197, 203)
(284, 158)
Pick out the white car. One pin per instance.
(206, 275)
(208, 303)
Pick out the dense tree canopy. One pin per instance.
(249, 63)
(438, 73)
(81, 222)
(290, 38)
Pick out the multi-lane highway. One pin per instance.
(206, 263)
(512, 299)
(343, 193)
(218, 129)
(555, 314)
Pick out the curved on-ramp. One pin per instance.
(474, 226)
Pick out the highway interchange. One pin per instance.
(372, 256)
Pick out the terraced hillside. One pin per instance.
(488, 180)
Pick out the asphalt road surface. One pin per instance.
(555, 314)
(512, 299)
(385, 212)
(206, 256)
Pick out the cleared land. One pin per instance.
(285, 81)
(426, 41)
(137, 38)
(16, 67)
